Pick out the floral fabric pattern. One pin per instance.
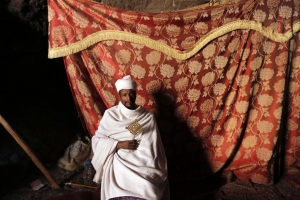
(233, 105)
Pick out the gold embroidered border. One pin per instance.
(159, 46)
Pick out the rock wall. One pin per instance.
(34, 12)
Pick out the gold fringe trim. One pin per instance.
(159, 46)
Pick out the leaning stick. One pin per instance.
(29, 152)
(81, 185)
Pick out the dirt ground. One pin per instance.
(209, 189)
(61, 176)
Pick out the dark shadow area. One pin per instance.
(190, 174)
(280, 148)
(36, 101)
(79, 196)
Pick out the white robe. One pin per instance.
(140, 173)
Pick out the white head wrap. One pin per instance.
(125, 83)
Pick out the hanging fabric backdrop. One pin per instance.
(223, 81)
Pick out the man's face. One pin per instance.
(127, 97)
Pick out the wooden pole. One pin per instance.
(81, 185)
(29, 152)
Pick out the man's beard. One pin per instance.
(131, 107)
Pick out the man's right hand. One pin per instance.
(128, 144)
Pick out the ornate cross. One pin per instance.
(134, 127)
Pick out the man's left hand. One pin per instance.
(128, 144)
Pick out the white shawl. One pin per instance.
(140, 173)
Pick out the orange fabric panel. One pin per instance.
(233, 105)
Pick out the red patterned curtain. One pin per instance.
(223, 81)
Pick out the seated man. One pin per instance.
(129, 157)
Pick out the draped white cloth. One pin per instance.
(140, 173)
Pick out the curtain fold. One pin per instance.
(222, 81)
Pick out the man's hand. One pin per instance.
(128, 144)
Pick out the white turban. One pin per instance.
(125, 83)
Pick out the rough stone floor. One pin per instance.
(205, 190)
